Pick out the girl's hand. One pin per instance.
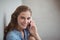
(33, 28)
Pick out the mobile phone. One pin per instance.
(29, 25)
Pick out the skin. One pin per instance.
(24, 18)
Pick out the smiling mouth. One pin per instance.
(24, 24)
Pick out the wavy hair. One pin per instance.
(13, 23)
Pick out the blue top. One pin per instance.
(16, 35)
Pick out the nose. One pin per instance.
(25, 21)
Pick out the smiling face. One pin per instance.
(23, 19)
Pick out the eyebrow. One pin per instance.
(24, 17)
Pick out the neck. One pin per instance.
(19, 29)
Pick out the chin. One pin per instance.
(24, 27)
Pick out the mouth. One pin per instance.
(24, 24)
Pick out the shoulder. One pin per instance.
(12, 35)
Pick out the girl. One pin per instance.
(21, 26)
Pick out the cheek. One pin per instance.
(20, 20)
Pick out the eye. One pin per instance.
(28, 18)
(22, 17)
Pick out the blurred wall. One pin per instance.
(1, 23)
(46, 14)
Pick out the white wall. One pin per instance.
(6, 9)
(46, 14)
(1, 23)
(9, 7)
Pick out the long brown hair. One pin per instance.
(13, 23)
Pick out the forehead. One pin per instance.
(25, 14)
